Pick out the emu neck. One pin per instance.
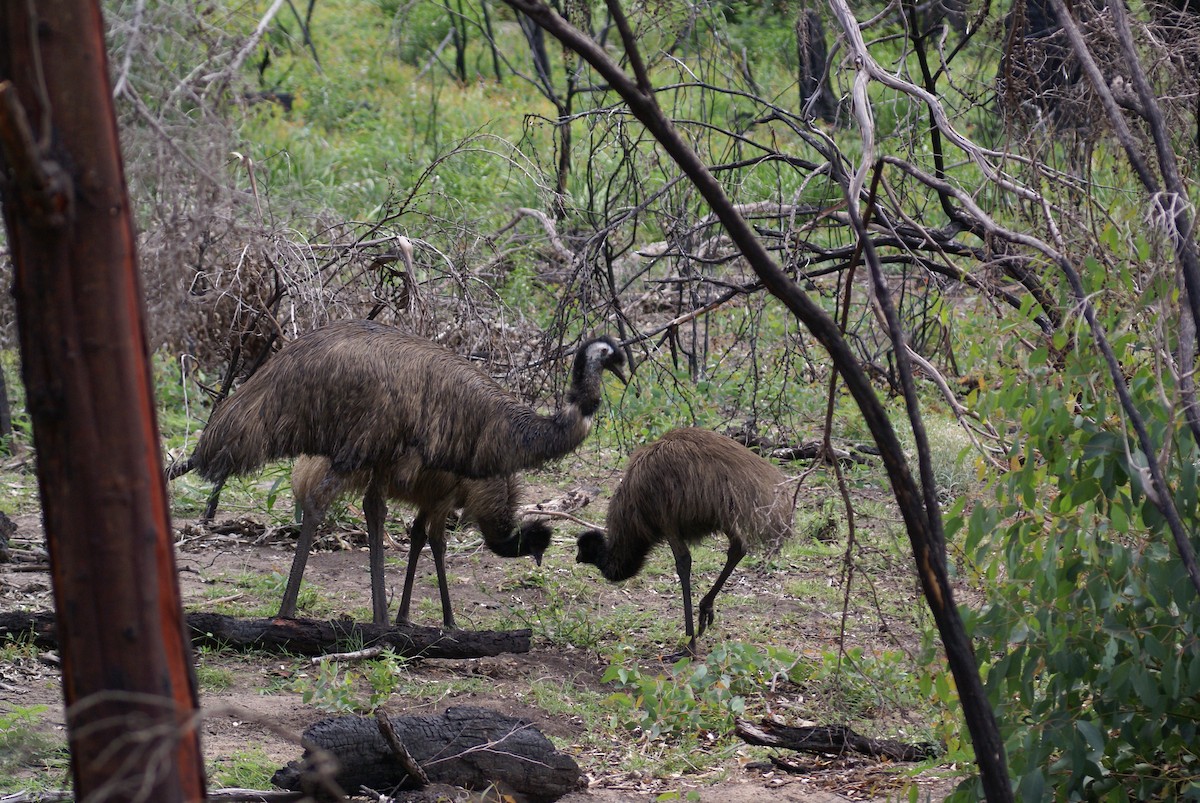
(586, 386)
(543, 438)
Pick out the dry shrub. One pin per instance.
(229, 274)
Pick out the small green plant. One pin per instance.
(23, 745)
(331, 690)
(337, 692)
(214, 678)
(697, 698)
(17, 648)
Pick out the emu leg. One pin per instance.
(437, 545)
(735, 555)
(214, 500)
(683, 568)
(416, 542)
(311, 517)
(375, 510)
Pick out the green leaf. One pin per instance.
(1092, 736)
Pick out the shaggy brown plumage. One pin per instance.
(491, 503)
(364, 395)
(391, 411)
(685, 486)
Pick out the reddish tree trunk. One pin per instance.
(127, 676)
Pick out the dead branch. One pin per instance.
(229, 795)
(399, 751)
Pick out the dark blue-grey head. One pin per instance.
(590, 548)
(531, 538)
(594, 357)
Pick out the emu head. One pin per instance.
(593, 357)
(591, 548)
(596, 356)
(531, 538)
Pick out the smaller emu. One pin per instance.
(491, 503)
(683, 487)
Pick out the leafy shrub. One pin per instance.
(1088, 637)
(698, 699)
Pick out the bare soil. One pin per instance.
(257, 705)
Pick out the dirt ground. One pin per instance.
(260, 707)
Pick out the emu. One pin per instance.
(376, 401)
(685, 486)
(491, 503)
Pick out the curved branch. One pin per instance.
(922, 523)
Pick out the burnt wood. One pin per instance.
(831, 739)
(305, 636)
(466, 746)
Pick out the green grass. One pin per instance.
(30, 758)
(251, 768)
(257, 594)
(214, 678)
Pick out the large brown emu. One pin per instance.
(491, 503)
(375, 400)
(685, 486)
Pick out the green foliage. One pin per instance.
(698, 699)
(23, 744)
(423, 28)
(1089, 634)
(338, 691)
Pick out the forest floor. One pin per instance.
(256, 708)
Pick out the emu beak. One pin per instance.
(616, 369)
(537, 558)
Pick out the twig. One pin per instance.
(533, 510)
(353, 655)
(399, 750)
(251, 43)
(447, 39)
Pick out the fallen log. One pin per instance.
(467, 746)
(831, 739)
(304, 636)
(809, 450)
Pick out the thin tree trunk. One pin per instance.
(126, 660)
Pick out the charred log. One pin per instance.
(304, 636)
(466, 746)
(832, 739)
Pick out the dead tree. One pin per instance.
(816, 93)
(917, 500)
